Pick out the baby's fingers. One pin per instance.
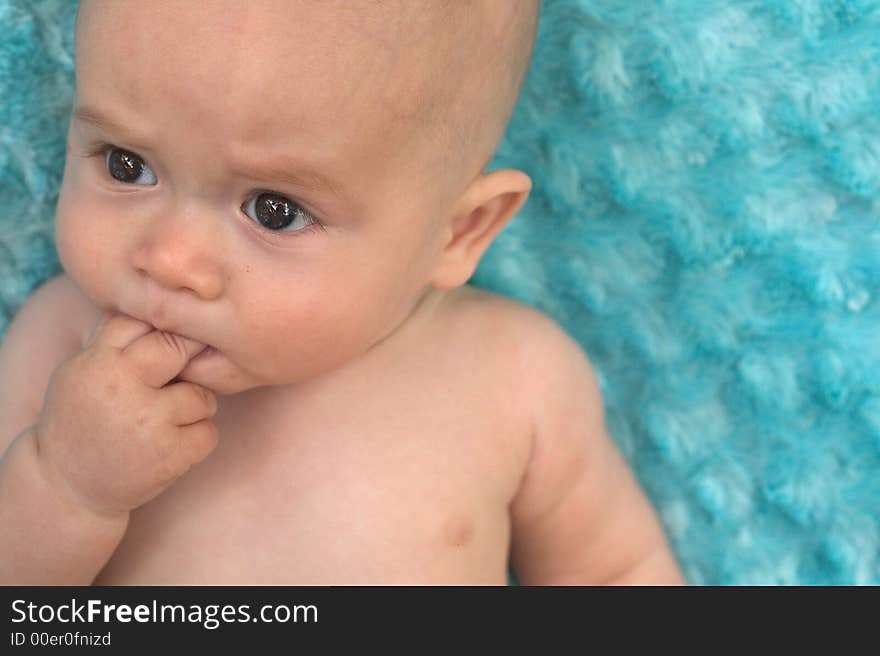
(188, 403)
(117, 330)
(197, 441)
(158, 356)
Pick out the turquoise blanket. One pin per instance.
(705, 222)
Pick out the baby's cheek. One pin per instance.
(73, 252)
(83, 260)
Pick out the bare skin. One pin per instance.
(380, 475)
(365, 416)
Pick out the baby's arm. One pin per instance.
(579, 516)
(45, 537)
(111, 433)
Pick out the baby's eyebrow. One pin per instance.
(294, 175)
(284, 172)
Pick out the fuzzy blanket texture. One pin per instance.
(705, 222)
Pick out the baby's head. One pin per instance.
(287, 181)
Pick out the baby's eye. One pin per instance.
(276, 212)
(128, 167)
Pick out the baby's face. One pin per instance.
(235, 174)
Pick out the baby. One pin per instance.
(262, 363)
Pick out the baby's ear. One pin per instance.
(484, 209)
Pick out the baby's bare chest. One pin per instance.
(403, 479)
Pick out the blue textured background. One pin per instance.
(705, 221)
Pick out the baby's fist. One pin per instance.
(113, 433)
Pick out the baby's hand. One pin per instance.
(112, 433)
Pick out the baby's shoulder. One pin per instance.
(46, 330)
(57, 313)
(481, 306)
(502, 317)
(523, 341)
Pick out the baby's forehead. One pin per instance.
(294, 29)
(349, 73)
(365, 61)
(330, 47)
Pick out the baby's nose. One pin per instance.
(176, 258)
